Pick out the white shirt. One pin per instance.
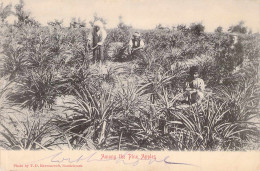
(102, 34)
(198, 83)
(141, 43)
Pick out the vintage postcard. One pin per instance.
(129, 85)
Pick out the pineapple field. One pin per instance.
(53, 96)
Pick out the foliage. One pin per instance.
(77, 23)
(133, 105)
(57, 24)
(28, 135)
(36, 90)
(91, 114)
(219, 29)
(5, 11)
(239, 28)
(197, 29)
(14, 61)
(24, 16)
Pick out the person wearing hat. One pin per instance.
(136, 44)
(97, 36)
(195, 87)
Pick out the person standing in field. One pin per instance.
(236, 51)
(136, 45)
(97, 37)
(230, 58)
(195, 86)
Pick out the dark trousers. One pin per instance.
(98, 54)
(137, 54)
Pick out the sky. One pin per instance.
(146, 14)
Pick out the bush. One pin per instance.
(36, 90)
(30, 135)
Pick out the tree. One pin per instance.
(161, 27)
(20, 13)
(182, 28)
(219, 29)
(56, 24)
(5, 11)
(197, 28)
(24, 16)
(239, 28)
(77, 23)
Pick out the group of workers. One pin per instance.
(195, 86)
(98, 35)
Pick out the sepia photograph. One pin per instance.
(129, 75)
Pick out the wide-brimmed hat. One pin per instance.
(98, 23)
